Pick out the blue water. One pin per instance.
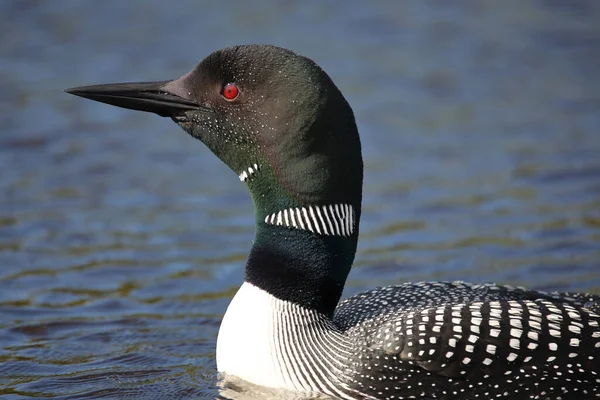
(122, 239)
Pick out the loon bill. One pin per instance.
(279, 122)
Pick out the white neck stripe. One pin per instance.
(333, 219)
(248, 172)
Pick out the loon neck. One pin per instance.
(299, 265)
(303, 254)
(305, 181)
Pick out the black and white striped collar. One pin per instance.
(332, 219)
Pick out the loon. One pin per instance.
(279, 122)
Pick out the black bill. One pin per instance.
(144, 96)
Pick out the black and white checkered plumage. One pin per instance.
(459, 340)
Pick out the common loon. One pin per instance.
(281, 124)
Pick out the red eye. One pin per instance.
(230, 91)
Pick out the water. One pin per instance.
(122, 239)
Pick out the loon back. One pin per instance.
(487, 341)
(280, 123)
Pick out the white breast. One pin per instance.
(277, 344)
(248, 345)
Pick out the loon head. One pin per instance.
(279, 122)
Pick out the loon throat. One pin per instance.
(278, 120)
(331, 219)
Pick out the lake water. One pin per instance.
(122, 239)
